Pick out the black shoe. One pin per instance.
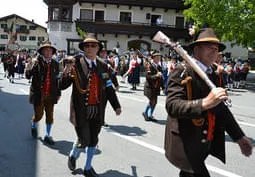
(71, 163)
(185, 174)
(48, 140)
(90, 173)
(34, 132)
(152, 119)
(145, 117)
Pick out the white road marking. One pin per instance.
(162, 151)
(24, 91)
(162, 105)
(246, 124)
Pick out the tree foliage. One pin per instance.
(81, 33)
(232, 20)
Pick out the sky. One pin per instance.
(35, 10)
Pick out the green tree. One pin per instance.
(232, 20)
(81, 33)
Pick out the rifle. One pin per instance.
(160, 37)
(147, 60)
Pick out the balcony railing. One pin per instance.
(140, 29)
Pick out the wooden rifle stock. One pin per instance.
(163, 39)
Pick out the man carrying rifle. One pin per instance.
(153, 83)
(197, 116)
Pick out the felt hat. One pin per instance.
(89, 39)
(156, 54)
(207, 35)
(47, 44)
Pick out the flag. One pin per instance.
(11, 27)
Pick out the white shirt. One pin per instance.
(90, 62)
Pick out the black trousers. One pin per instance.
(187, 174)
(88, 132)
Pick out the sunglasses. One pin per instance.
(90, 45)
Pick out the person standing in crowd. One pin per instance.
(123, 67)
(92, 87)
(153, 83)
(4, 59)
(197, 116)
(230, 74)
(244, 72)
(219, 69)
(44, 92)
(103, 55)
(60, 59)
(133, 72)
(11, 67)
(20, 64)
(237, 71)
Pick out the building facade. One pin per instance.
(19, 33)
(120, 25)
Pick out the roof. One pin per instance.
(166, 4)
(17, 16)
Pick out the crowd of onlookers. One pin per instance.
(235, 74)
(130, 65)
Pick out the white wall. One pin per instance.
(236, 51)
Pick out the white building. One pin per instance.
(24, 33)
(118, 24)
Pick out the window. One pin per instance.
(22, 38)
(60, 13)
(40, 38)
(86, 14)
(32, 27)
(154, 19)
(66, 14)
(32, 38)
(99, 15)
(55, 14)
(125, 17)
(4, 36)
(4, 26)
(179, 22)
(23, 27)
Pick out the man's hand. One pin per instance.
(67, 72)
(216, 96)
(118, 111)
(58, 98)
(245, 146)
(159, 74)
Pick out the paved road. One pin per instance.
(129, 147)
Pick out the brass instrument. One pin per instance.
(71, 70)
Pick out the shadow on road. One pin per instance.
(129, 131)
(115, 173)
(17, 149)
(229, 139)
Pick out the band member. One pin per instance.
(219, 69)
(103, 55)
(153, 83)
(92, 87)
(197, 116)
(11, 67)
(44, 93)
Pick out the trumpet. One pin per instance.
(70, 70)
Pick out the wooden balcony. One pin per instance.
(165, 4)
(139, 29)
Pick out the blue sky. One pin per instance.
(29, 9)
